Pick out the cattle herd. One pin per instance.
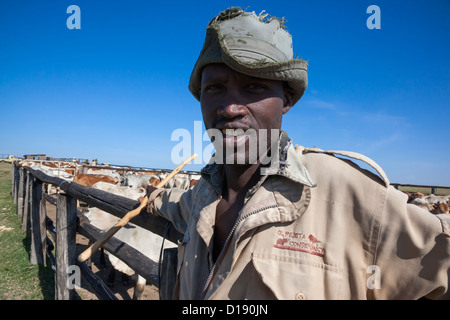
(433, 203)
(132, 183)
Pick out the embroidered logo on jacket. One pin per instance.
(298, 241)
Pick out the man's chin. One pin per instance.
(238, 158)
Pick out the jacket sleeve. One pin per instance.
(173, 205)
(413, 251)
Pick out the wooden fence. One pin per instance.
(28, 190)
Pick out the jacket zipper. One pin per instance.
(226, 244)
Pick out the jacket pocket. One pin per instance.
(298, 278)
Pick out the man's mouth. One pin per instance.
(235, 138)
(238, 139)
(230, 133)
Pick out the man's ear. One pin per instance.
(288, 98)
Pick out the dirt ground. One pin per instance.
(122, 287)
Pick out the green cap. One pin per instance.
(254, 45)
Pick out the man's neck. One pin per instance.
(239, 179)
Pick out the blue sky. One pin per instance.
(116, 89)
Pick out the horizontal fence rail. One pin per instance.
(29, 194)
(432, 189)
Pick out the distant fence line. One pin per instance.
(135, 169)
(79, 160)
(433, 189)
(83, 164)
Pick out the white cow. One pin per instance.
(432, 203)
(436, 199)
(141, 239)
(53, 172)
(138, 180)
(180, 180)
(423, 203)
(50, 171)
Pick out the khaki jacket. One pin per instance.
(315, 227)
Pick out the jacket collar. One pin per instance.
(284, 163)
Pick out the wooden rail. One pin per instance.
(29, 195)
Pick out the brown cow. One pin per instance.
(192, 183)
(90, 179)
(154, 181)
(439, 208)
(49, 164)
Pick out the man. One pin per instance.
(292, 222)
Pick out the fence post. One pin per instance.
(66, 218)
(27, 205)
(15, 182)
(13, 174)
(38, 226)
(21, 196)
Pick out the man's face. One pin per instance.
(231, 101)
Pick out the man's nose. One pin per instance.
(232, 108)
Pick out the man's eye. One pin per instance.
(212, 87)
(256, 86)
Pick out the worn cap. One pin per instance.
(255, 45)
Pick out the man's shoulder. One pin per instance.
(341, 165)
